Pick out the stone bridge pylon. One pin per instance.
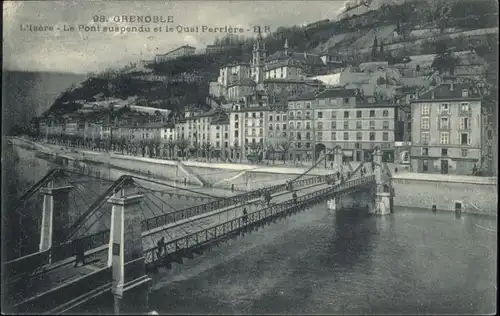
(377, 196)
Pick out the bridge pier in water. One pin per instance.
(384, 194)
(130, 285)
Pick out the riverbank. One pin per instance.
(446, 192)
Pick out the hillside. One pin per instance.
(403, 26)
(29, 94)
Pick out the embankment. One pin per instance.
(474, 194)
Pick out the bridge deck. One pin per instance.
(54, 275)
(184, 227)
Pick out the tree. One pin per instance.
(285, 147)
(445, 62)
(171, 148)
(182, 144)
(374, 49)
(207, 148)
(271, 149)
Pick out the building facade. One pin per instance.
(182, 51)
(447, 133)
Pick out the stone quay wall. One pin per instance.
(474, 196)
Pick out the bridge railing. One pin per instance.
(64, 293)
(67, 249)
(173, 217)
(26, 264)
(235, 225)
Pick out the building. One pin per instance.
(300, 128)
(182, 51)
(219, 135)
(447, 134)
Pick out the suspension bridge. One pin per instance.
(131, 228)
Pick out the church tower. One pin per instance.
(258, 58)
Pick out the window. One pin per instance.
(464, 123)
(346, 114)
(372, 135)
(277, 126)
(308, 125)
(334, 115)
(425, 165)
(290, 115)
(425, 109)
(490, 134)
(444, 152)
(308, 135)
(444, 108)
(236, 116)
(372, 113)
(299, 136)
(346, 124)
(465, 93)
(299, 114)
(320, 135)
(358, 124)
(385, 136)
(320, 114)
(358, 114)
(270, 118)
(372, 124)
(283, 126)
(424, 123)
(425, 138)
(270, 127)
(425, 151)
(444, 123)
(346, 136)
(235, 133)
(261, 114)
(308, 105)
(299, 125)
(320, 125)
(236, 124)
(385, 124)
(290, 124)
(334, 125)
(385, 113)
(334, 136)
(464, 139)
(277, 118)
(254, 115)
(444, 138)
(463, 152)
(464, 107)
(346, 100)
(359, 136)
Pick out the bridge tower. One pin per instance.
(384, 194)
(55, 213)
(338, 158)
(130, 285)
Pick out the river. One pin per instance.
(317, 261)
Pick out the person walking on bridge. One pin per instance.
(161, 246)
(294, 197)
(79, 253)
(245, 216)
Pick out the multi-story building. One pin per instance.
(182, 51)
(278, 142)
(167, 132)
(219, 135)
(447, 133)
(300, 128)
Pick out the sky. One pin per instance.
(79, 51)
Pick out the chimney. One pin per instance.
(432, 95)
(451, 86)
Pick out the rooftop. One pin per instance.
(336, 93)
(450, 91)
